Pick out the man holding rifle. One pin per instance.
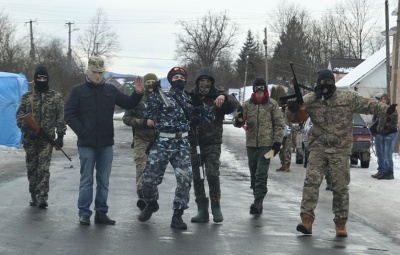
(331, 112)
(209, 137)
(46, 107)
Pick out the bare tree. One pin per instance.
(99, 38)
(207, 39)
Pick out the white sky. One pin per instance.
(147, 29)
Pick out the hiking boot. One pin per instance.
(380, 176)
(33, 201)
(340, 227)
(305, 226)
(389, 176)
(102, 218)
(151, 207)
(257, 206)
(177, 221)
(202, 209)
(375, 175)
(216, 211)
(284, 168)
(141, 204)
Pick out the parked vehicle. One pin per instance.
(362, 141)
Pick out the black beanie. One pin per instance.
(259, 82)
(41, 86)
(41, 70)
(325, 74)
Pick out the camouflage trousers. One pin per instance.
(38, 158)
(259, 167)
(337, 167)
(164, 151)
(285, 154)
(140, 158)
(210, 154)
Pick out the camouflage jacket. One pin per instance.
(333, 119)
(387, 124)
(211, 133)
(264, 122)
(47, 108)
(135, 118)
(175, 120)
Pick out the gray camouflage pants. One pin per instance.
(338, 167)
(164, 151)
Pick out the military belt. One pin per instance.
(172, 135)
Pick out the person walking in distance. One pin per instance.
(46, 107)
(143, 134)
(89, 112)
(209, 136)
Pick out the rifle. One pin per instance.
(301, 115)
(32, 123)
(157, 88)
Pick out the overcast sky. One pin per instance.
(147, 29)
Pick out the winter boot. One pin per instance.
(202, 209)
(216, 211)
(177, 221)
(340, 227)
(33, 201)
(305, 226)
(284, 168)
(375, 175)
(151, 207)
(389, 176)
(257, 206)
(140, 203)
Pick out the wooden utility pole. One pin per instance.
(266, 55)
(69, 56)
(396, 58)
(32, 52)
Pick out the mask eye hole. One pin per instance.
(327, 81)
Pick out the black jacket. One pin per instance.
(89, 112)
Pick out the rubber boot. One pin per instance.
(151, 207)
(305, 226)
(257, 206)
(216, 211)
(177, 221)
(340, 227)
(202, 209)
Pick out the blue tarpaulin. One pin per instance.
(12, 87)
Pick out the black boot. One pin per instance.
(151, 207)
(102, 218)
(177, 221)
(33, 201)
(216, 211)
(202, 208)
(257, 206)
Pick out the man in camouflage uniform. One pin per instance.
(330, 141)
(171, 144)
(285, 154)
(142, 133)
(264, 132)
(46, 107)
(209, 136)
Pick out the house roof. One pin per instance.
(341, 65)
(363, 69)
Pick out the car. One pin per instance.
(362, 142)
(228, 118)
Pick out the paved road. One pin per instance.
(28, 230)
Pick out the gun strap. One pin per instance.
(31, 99)
(181, 105)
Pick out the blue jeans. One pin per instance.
(384, 146)
(101, 158)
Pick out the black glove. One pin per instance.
(293, 106)
(60, 140)
(196, 101)
(195, 121)
(29, 132)
(391, 109)
(156, 86)
(144, 123)
(276, 146)
(239, 114)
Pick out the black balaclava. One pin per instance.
(325, 79)
(41, 86)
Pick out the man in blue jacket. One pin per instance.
(89, 113)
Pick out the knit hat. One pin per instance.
(174, 71)
(259, 84)
(41, 70)
(150, 76)
(96, 64)
(325, 74)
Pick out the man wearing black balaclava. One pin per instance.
(331, 141)
(46, 106)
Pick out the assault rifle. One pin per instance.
(301, 115)
(157, 88)
(40, 131)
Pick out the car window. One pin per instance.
(358, 120)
